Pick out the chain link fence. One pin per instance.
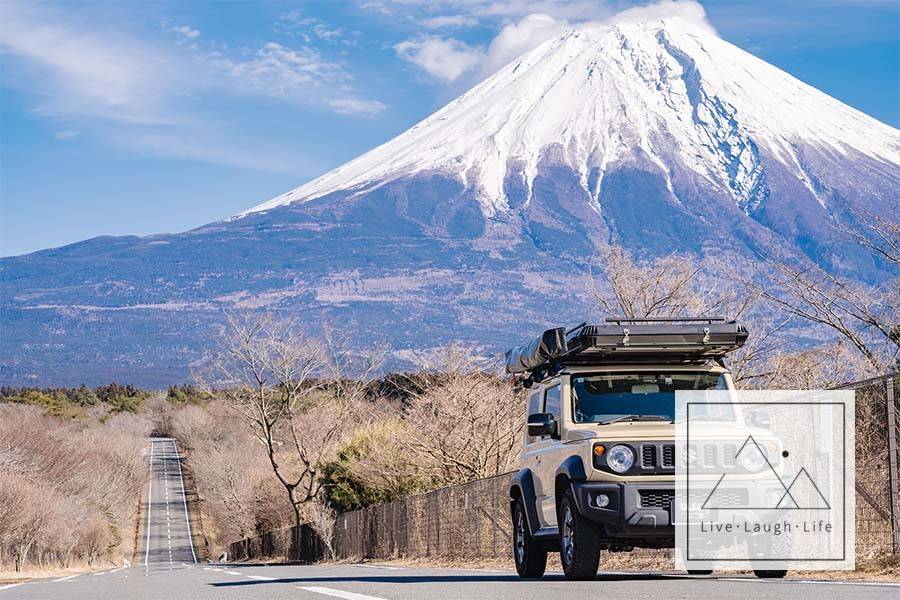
(471, 521)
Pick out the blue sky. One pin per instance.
(141, 117)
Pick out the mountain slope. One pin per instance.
(479, 223)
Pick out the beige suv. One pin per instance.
(598, 466)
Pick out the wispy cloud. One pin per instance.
(449, 21)
(152, 92)
(66, 134)
(357, 106)
(187, 32)
(77, 72)
(295, 23)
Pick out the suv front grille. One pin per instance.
(657, 457)
(668, 460)
(656, 498)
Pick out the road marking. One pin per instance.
(232, 573)
(66, 578)
(338, 593)
(261, 577)
(149, 507)
(187, 517)
(11, 585)
(379, 567)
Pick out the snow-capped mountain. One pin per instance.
(668, 94)
(480, 222)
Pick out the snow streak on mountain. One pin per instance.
(479, 224)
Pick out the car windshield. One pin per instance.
(635, 396)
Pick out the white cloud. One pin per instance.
(454, 61)
(279, 71)
(191, 34)
(443, 58)
(357, 106)
(517, 38)
(66, 134)
(296, 24)
(449, 21)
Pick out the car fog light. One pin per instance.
(601, 500)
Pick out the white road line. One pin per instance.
(187, 517)
(338, 593)
(11, 585)
(149, 506)
(379, 567)
(261, 577)
(232, 573)
(66, 578)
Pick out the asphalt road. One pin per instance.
(169, 571)
(374, 582)
(167, 531)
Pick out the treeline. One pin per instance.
(78, 401)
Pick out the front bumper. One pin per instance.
(635, 510)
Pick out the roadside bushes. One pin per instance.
(69, 490)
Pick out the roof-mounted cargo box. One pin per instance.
(629, 340)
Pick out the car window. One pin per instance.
(597, 398)
(553, 401)
(534, 403)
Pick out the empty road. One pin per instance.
(375, 582)
(167, 529)
(168, 570)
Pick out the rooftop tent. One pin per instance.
(630, 340)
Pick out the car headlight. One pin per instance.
(620, 458)
(751, 459)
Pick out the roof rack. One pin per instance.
(682, 339)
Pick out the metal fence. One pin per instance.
(471, 521)
(877, 459)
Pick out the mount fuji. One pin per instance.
(479, 223)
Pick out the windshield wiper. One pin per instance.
(635, 418)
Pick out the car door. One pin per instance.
(532, 448)
(548, 455)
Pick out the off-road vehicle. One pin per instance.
(598, 465)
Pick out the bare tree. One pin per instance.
(678, 286)
(467, 424)
(295, 393)
(879, 235)
(867, 317)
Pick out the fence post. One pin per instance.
(892, 464)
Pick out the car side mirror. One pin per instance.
(542, 424)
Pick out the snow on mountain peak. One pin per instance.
(659, 92)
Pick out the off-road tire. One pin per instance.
(769, 574)
(530, 556)
(579, 541)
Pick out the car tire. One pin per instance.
(769, 574)
(579, 541)
(530, 556)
